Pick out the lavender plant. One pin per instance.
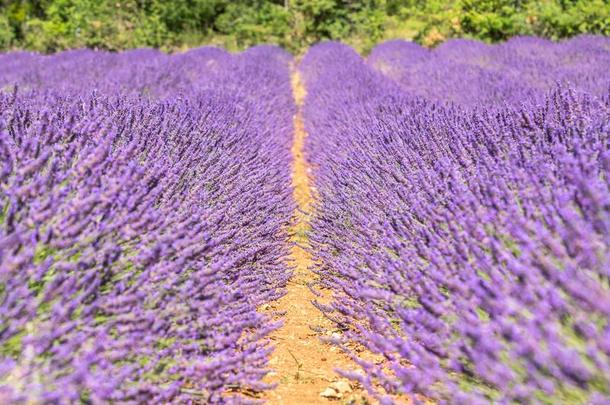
(469, 248)
(471, 73)
(144, 202)
(462, 219)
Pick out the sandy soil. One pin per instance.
(303, 365)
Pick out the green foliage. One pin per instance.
(498, 20)
(12, 347)
(299, 23)
(6, 33)
(553, 21)
(248, 25)
(494, 20)
(93, 24)
(51, 25)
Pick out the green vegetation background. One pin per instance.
(52, 25)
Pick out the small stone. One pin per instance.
(341, 386)
(330, 393)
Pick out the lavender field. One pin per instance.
(457, 238)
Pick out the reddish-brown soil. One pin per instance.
(303, 366)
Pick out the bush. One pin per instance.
(6, 33)
(580, 17)
(252, 25)
(493, 20)
(498, 20)
(52, 25)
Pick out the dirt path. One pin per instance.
(303, 365)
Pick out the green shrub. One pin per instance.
(250, 25)
(6, 33)
(51, 25)
(552, 21)
(492, 20)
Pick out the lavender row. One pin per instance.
(471, 73)
(143, 212)
(147, 73)
(470, 249)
